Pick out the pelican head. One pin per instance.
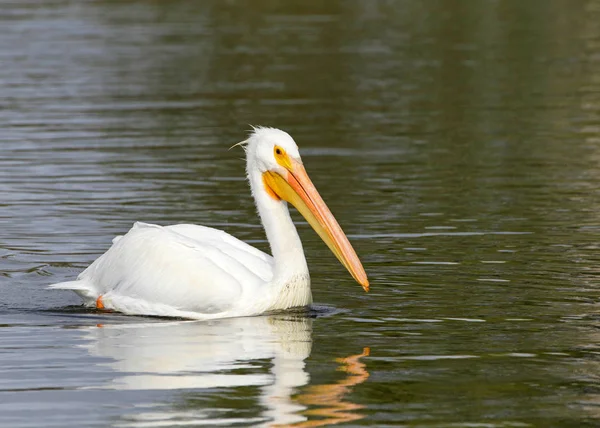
(275, 154)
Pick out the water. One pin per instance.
(457, 143)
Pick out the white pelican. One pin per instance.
(199, 272)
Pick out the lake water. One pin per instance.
(457, 143)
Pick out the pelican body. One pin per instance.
(199, 272)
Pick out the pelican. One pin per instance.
(198, 272)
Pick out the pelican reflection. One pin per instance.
(267, 352)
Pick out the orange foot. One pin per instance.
(99, 303)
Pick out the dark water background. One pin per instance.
(457, 142)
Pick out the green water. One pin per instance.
(457, 143)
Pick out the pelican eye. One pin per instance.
(282, 157)
(279, 152)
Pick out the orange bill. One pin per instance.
(297, 188)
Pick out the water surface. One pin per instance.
(457, 143)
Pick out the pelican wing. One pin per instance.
(259, 263)
(189, 268)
